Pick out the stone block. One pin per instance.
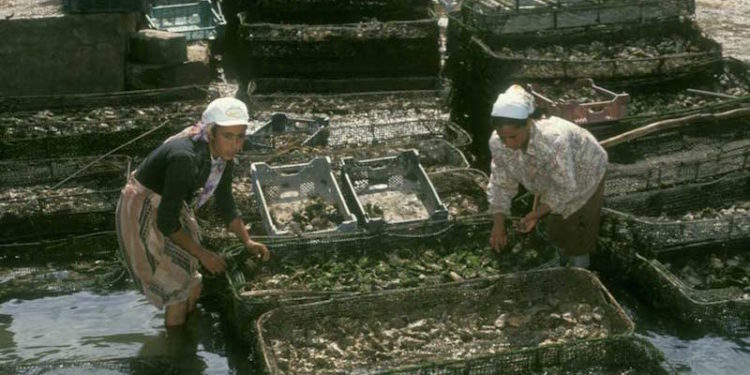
(158, 47)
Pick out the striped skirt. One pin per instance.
(163, 271)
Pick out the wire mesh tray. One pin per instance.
(105, 6)
(682, 215)
(293, 199)
(581, 102)
(495, 307)
(391, 190)
(523, 16)
(282, 131)
(704, 286)
(682, 49)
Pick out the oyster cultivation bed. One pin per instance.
(417, 266)
(441, 326)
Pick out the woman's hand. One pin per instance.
(258, 249)
(499, 236)
(528, 223)
(212, 262)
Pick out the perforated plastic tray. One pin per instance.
(289, 184)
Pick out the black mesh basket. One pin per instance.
(346, 264)
(369, 49)
(520, 16)
(714, 302)
(429, 309)
(46, 134)
(331, 11)
(85, 204)
(554, 58)
(683, 215)
(696, 152)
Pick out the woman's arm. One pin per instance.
(237, 226)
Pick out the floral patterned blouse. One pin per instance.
(563, 164)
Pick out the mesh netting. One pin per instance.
(135, 97)
(506, 323)
(693, 153)
(331, 11)
(371, 49)
(508, 17)
(679, 48)
(94, 245)
(462, 191)
(703, 285)
(49, 171)
(682, 215)
(84, 204)
(314, 268)
(46, 134)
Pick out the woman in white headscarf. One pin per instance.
(561, 163)
(158, 234)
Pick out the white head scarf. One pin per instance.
(515, 103)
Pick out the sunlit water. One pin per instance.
(112, 333)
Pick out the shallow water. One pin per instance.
(116, 333)
(688, 350)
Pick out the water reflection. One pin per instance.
(118, 333)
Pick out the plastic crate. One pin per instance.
(612, 107)
(105, 6)
(288, 184)
(477, 303)
(402, 174)
(197, 20)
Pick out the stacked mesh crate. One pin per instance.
(625, 46)
(334, 46)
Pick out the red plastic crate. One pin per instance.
(613, 108)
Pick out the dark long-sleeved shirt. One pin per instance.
(176, 170)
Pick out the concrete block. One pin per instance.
(158, 47)
(70, 54)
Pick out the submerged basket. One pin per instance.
(320, 267)
(610, 107)
(291, 184)
(641, 214)
(479, 302)
(725, 309)
(402, 174)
